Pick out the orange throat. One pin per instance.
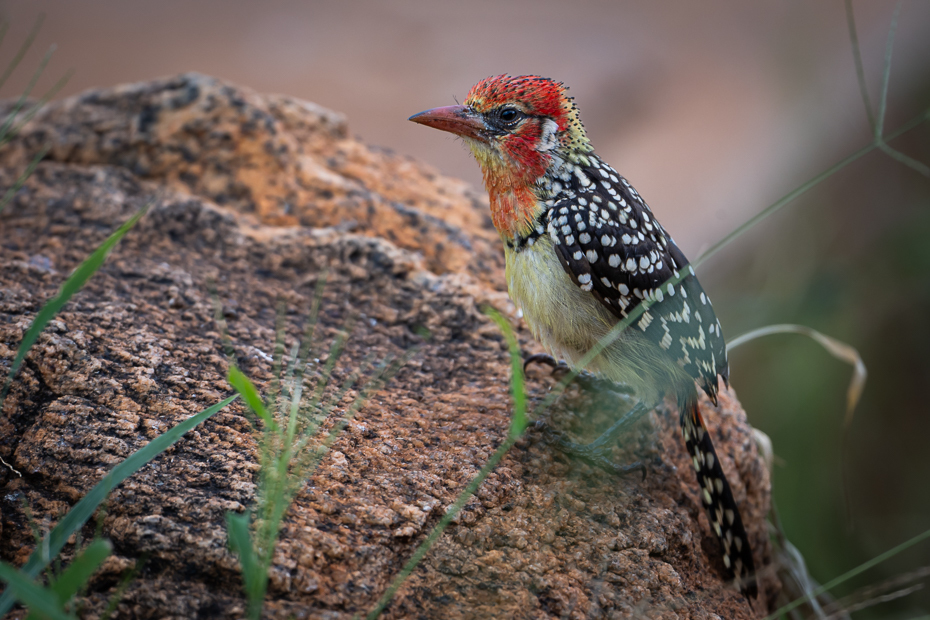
(514, 206)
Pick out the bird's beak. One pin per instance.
(457, 119)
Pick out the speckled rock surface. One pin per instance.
(256, 196)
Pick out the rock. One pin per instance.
(285, 161)
(257, 196)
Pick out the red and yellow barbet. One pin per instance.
(582, 250)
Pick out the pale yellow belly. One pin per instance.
(568, 322)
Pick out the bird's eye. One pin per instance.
(509, 116)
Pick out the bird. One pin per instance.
(583, 250)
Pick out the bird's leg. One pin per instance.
(587, 380)
(597, 452)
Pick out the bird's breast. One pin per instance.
(566, 320)
(569, 322)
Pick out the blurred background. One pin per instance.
(713, 110)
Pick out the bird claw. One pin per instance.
(598, 456)
(594, 455)
(587, 380)
(544, 358)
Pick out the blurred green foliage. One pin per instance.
(851, 259)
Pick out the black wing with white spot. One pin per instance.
(611, 245)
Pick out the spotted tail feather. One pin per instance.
(718, 499)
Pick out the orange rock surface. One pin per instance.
(257, 196)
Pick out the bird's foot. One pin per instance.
(598, 452)
(559, 369)
(587, 380)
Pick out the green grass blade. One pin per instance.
(852, 573)
(71, 286)
(517, 389)
(82, 568)
(22, 50)
(781, 202)
(250, 395)
(8, 196)
(53, 542)
(31, 594)
(254, 575)
(895, 587)
(857, 59)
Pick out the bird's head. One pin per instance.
(517, 128)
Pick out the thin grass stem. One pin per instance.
(21, 180)
(886, 75)
(857, 59)
(517, 426)
(277, 357)
(900, 157)
(852, 573)
(51, 92)
(4, 27)
(22, 49)
(440, 527)
(804, 188)
(335, 351)
(5, 133)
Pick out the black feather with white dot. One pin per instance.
(610, 244)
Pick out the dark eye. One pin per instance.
(509, 116)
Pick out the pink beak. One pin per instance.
(457, 119)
